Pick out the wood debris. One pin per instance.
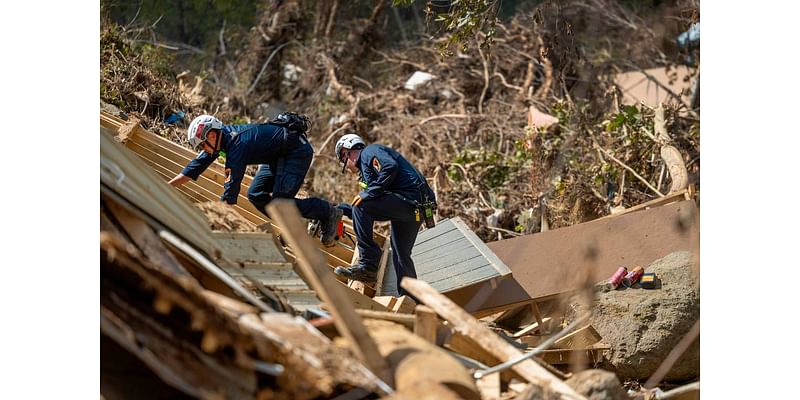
(241, 306)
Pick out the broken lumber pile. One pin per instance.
(175, 293)
(208, 347)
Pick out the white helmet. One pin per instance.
(199, 128)
(348, 142)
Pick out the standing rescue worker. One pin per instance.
(393, 190)
(283, 152)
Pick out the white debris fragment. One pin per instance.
(418, 78)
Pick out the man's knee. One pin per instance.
(257, 196)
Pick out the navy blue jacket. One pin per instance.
(385, 170)
(254, 144)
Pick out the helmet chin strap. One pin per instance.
(215, 147)
(346, 157)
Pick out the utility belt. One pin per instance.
(422, 210)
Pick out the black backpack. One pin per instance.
(296, 123)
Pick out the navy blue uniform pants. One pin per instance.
(404, 230)
(283, 179)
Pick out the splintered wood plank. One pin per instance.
(467, 325)
(347, 322)
(578, 339)
(144, 238)
(524, 331)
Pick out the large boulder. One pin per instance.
(597, 384)
(643, 325)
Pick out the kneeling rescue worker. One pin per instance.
(393, 190)
(284, 156)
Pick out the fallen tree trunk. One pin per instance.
(670, 154)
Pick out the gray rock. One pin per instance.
(643, 325)
(597, 384)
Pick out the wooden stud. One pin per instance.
(534, 326)
(538, 315)
(426, 323)
(467, 325)
(382, 265)
(406, 320)
(349, 324)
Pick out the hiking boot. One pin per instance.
(357, 273)
(329, 226)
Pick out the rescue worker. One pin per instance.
(283, 152)
(392, 191)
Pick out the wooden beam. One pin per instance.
(465, 324)
(356, 299)
(669, 198)
(469, 348)
(592, 354)
(382, 264)
(578, 339)
(427, 323)
(413, 360)
(404, 319)
(538, 315)
(349, 324)
(524, 331)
